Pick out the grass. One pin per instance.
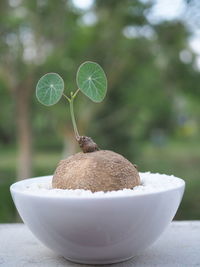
(180, 159)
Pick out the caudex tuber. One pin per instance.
(92, 169)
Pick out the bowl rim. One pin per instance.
(14, 188)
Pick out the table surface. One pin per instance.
(178, 246)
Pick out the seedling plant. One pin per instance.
(91, 81)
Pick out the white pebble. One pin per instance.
(150, 182)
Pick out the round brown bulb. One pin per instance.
(101, 170)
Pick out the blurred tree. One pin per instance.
(29, 44)
(145, 73)
(142, 62)
(18, 77)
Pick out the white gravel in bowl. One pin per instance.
(150, 182)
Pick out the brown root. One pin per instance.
(87, 144)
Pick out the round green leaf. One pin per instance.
(91, 80)
(49, 89)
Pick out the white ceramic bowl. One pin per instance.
(97, 230)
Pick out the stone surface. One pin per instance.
(178, 246)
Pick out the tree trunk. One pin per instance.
(24, 136)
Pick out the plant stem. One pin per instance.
(86, 143)
(67, 97)
(71, 102)
(76, 92)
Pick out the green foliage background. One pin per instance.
(151, 112)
